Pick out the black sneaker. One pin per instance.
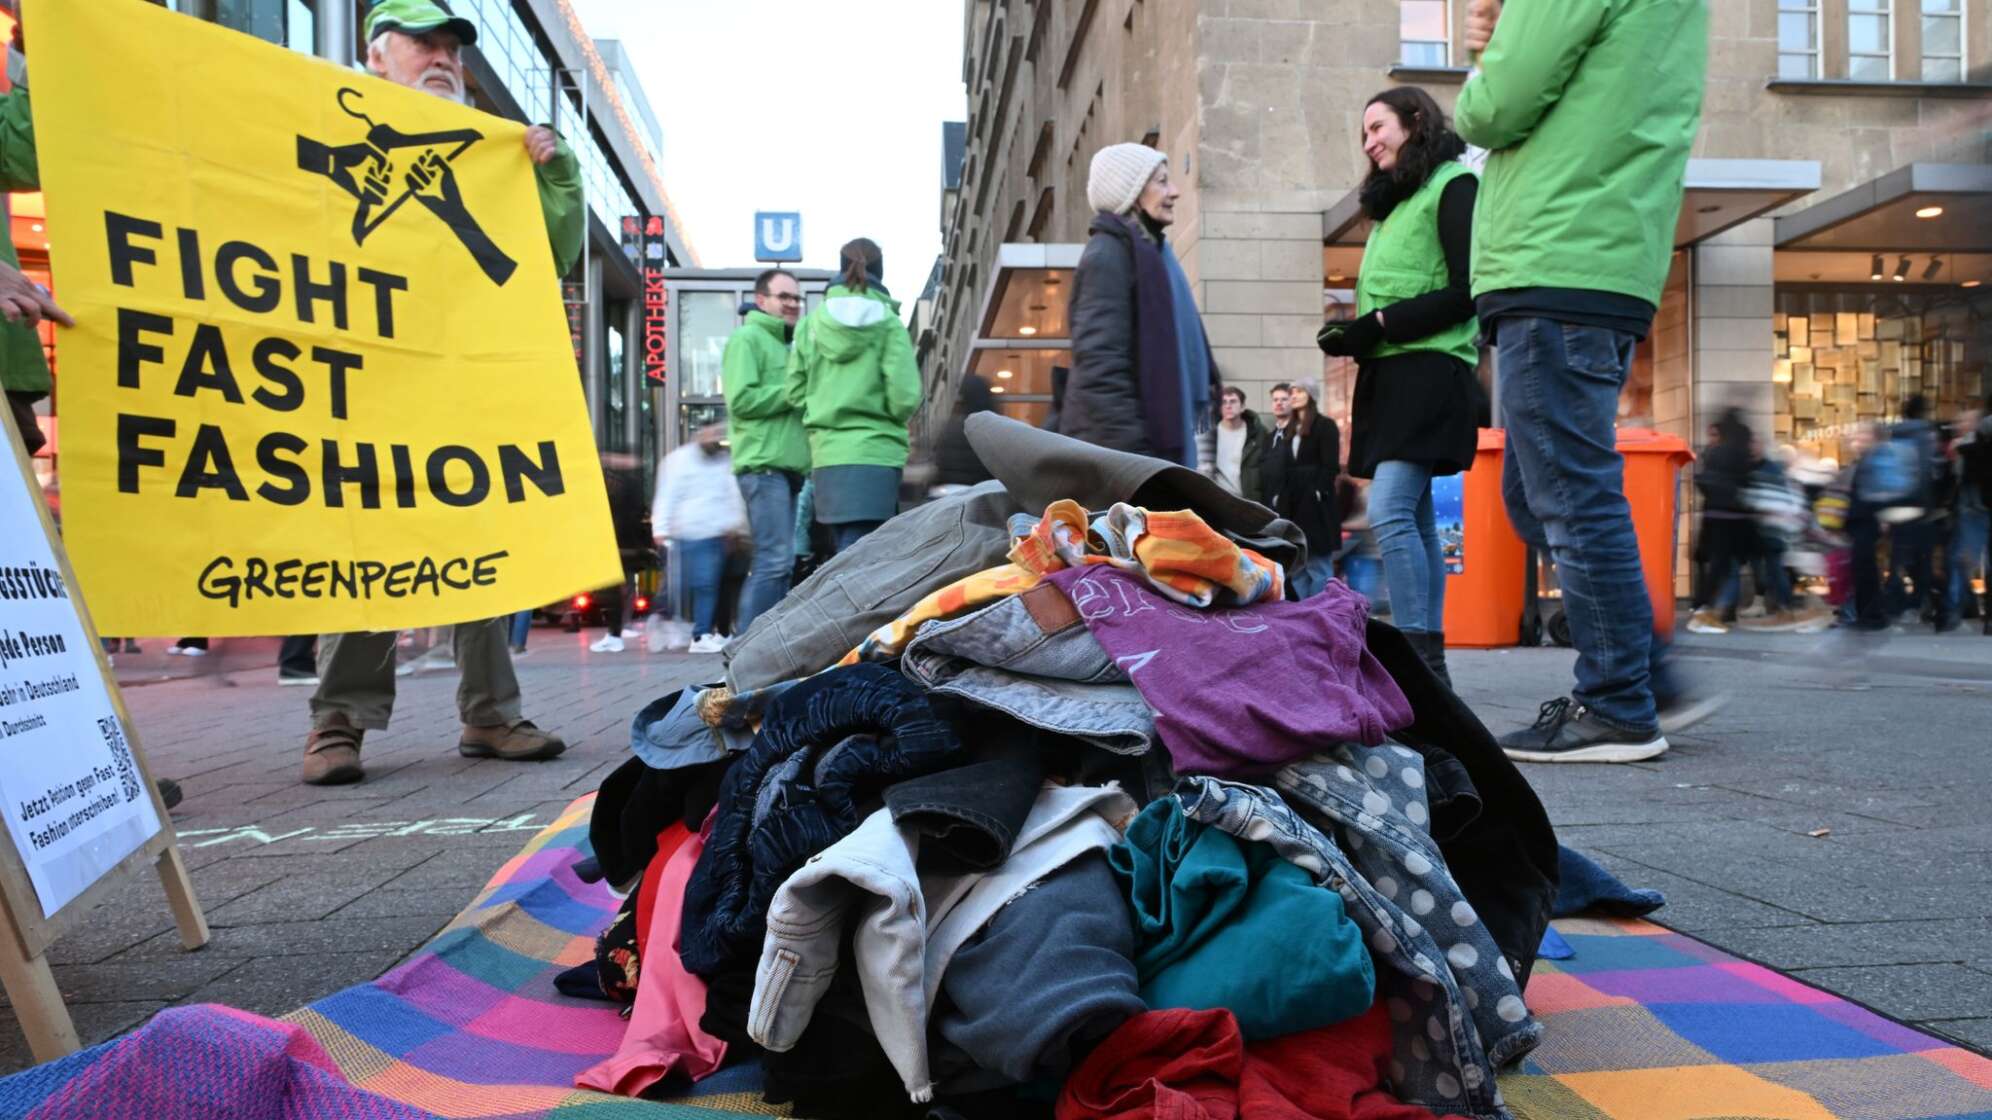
(1566, 731)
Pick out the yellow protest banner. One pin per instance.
(321, 378)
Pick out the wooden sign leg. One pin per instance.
(180, 896)
(37, 1001)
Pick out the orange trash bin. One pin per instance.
(1484, 558)
(1653, 462)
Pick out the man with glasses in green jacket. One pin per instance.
(770, 451)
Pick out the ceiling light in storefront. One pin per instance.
(1876, 272)
(1006, 374)
(1027, 331)
(36, 226)
(997, 389)
(1901, 269)
(1971, 283)
(1930, 270)
(1930, 212)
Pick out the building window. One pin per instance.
(1943, 41)
(1798, 39)
(1422, 32)
(1870, 44)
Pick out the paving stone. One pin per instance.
(1858, 944)
(1910, 991)
(1975, 1033)
(94, 1023)
(275, 985)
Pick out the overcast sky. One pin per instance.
(829, 107)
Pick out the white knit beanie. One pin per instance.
(1119, 172)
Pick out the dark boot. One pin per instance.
(1431, 649)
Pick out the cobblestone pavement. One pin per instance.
(309, 890)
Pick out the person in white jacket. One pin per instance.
(698, 506)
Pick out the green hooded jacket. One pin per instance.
(1588, 109)
(853, 375)
(763, 427)
(23, 366)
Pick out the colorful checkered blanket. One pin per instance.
(1641, 1024)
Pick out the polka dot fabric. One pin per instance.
(1381, 869)
(1373, 800)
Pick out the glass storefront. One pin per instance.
(1848, 356)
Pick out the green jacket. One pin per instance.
(23, 366)
(853, 375)
(562, 205)
(1588, 109)
(1404, 260)
(764, 428)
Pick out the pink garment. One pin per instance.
(663, 1036)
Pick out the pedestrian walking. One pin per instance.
(1728, 530)
(698, 508)
(1968, 551)
(297, 660)
(1143, 378)
(1241, 443)
(1303, 464)
(1414, 415)
(623, 478)
(770, 451)
(957, 466)
(1917, 519)
(853, 375)
(417, 44)
(1587, 111)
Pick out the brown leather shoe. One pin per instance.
(519, 742)
(332, 755)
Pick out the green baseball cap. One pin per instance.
(417, 16)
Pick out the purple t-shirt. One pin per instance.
(1243, 691)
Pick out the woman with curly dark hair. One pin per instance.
(1417, 403)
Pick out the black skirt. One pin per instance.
(1421, 407)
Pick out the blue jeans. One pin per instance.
(705, 565)
(770, 497)
(844, 534)
(1308, 580)
(1563, 482)
(1407, 536)
(1967, 552)
(522, 624)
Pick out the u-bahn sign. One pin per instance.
(777, 236)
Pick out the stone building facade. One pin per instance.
(1817, 147)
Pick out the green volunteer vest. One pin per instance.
(1404, 259)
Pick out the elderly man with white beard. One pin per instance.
(419, 44)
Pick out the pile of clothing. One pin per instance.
(1045, 800)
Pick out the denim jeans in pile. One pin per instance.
(1031, 657)
(1563, 481)
(1440, 1061)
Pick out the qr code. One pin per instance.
(121, 754)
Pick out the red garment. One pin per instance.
(663, 1035)
(668, 841)
(1194, 1065)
